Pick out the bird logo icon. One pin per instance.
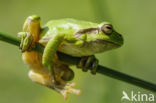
(125, 96)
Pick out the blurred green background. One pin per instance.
(135, 19)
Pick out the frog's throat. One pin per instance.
(100, 45)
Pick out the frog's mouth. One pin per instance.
(101, 45)
(105, 42)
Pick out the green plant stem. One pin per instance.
(75, 60)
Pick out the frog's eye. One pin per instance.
(107, 28)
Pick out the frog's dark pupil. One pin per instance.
(108, 27)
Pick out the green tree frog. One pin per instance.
(73, 37)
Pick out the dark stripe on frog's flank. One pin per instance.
(87, 31)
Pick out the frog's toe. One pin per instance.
(26, 41)
(94, 66)
(88, 62)
(69, 89)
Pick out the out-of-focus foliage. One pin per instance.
(134, 19)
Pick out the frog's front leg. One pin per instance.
(49, 53)
(87, 62)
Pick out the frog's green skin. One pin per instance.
(73, 37)
(77, 41)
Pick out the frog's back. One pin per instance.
(77, 24)
(68, 26)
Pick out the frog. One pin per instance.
(73, 37)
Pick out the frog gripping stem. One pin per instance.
(87, 62)
(26, 41)
(30, 34)
(60, 38)
(44, 68)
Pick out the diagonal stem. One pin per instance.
(75, 60)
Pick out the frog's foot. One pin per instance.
(26, 41)
(88, 62)
(46, 80)
(68, 88)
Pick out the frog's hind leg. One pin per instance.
(32, 25)
(63, 72)
(40, 78)
(63, 75)
(30, 34)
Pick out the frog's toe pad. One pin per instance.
(69, 89)
(26, 41)
(88, 62)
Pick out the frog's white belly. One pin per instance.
(74, 50)
(84, 50)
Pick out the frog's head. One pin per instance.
(100, 38)
(108, 35)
